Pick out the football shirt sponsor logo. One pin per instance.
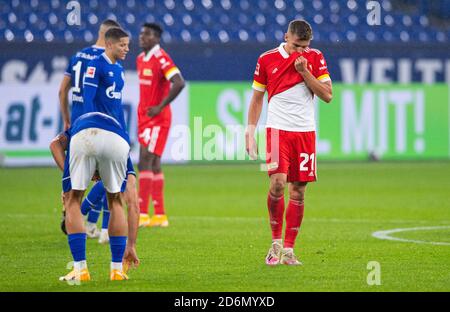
(90, 72)
(77, 98)
(147, 72)
(112, 94)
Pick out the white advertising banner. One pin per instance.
(30, 118)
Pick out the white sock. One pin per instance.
(104, 231)
(80, 265)
(116, 266)
(287, 250)
(279, 241)
(90, 225)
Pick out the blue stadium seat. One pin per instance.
(218, 21)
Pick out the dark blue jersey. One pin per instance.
(103, 84)
(76, 69)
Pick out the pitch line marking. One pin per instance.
(387, 235)
(250, 219)
(320, 220)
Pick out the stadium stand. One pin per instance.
(223, 21)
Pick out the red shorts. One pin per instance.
(153, 137)
(292, 153)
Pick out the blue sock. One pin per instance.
(93, 199)
(93, 215)
(85, 207)
(77, 244)
(105, 220)
(117, 244)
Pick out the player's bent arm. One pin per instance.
(58, 146)
(177, 84)
(133, 210)
(63, 94)
(323, 89)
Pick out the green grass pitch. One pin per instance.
(219, 232)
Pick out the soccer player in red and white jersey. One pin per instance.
(160, 82)
(291, 74)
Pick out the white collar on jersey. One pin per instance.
(283, 51)
(107, 58)
(98, 47)
(151, 52)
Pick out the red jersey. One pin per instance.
(291, 106)
(155, 69)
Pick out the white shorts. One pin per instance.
(97, 149)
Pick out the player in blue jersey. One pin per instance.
(103, 82)
(73, 80)
(104, 78)
(98, 144)
(73, 77)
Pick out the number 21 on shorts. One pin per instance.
(307, 162)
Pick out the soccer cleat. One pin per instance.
(118, 275)
(159, 220)
(289, 258)
(273, 256)
(76, 275)
(104, 238)
(92, 231)
(144, 220)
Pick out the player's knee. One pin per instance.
(73, 197)
(277, 187)
(145, 161)
(113, 200)
(144, 164)
(156, 164)
(297, 195)
(156, 169)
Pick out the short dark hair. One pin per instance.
(115, 34)
(155, 27)
(301, 28)
(110, 23)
